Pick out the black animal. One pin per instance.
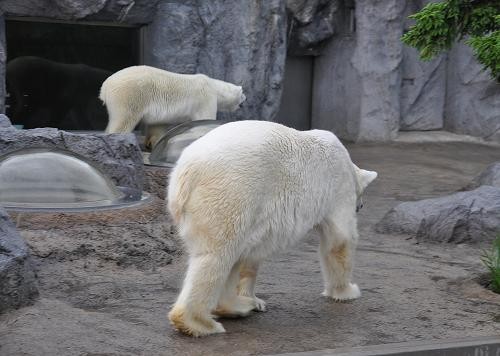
(44, 93)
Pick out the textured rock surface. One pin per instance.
(377, 59)
(472, 98)
(126, 11)
(117, 155)
(5, 122)
(3, 61)
(423, 86)
(243, 42)
(490, 176)
(17, 279)
(337, 106)
(311, 24)
(156, 180)
(472, 216)
(139, 236)
(359, 75)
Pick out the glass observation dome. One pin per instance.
(170, 146)
(44, 178)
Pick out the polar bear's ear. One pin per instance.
(366, 177)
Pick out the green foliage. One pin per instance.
(491, 259)
(438, 25)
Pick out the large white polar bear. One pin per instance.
(159, 97)
(248, 189)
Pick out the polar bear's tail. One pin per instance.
(179, 190)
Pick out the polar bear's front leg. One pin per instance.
(207, 110)
(336, 249)
(246, 285)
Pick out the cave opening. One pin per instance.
(55, 70)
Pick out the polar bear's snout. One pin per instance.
(242, 99)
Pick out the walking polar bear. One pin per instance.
(250, 188)
(160, 97)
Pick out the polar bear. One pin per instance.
(160, 97)
(250, 188)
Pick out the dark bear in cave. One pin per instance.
(44, 93)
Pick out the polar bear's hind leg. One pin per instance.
(230, 303)
(121, 119)
(246, 285)
(205, 278)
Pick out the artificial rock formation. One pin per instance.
(472, 216)
(366, 84)
(17, 278)
(490, 176)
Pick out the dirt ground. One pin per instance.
(106, 283)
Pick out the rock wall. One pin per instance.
(423, 86)
(243, 43)
(367, 85)
(472, 97)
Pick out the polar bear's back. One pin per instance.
(152, 81)
(261, 178)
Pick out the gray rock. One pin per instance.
(472, 97)
(472, 216)
(423, 87)
(311, 24)
(242, 42)
(118, 155)
(359, 74)
(17, 278)
(5, 122)
(490, 176)
(3, 62)
(423, 90)
(126, 11)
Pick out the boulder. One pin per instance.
(17, 278)
(490, 176)
(472, 216)
(117, 155)
(311, 23)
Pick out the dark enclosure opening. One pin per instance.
(55, 71)
(296, 99)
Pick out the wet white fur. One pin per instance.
(251, 188)
(159, 97)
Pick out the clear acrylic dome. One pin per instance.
(53, 178)
(170, 146)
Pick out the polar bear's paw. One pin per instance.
(346, 293)
(260, 305)
(238, 307)
(194, 324)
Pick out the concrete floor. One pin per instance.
(91, 305)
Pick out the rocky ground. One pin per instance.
(107, 280)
